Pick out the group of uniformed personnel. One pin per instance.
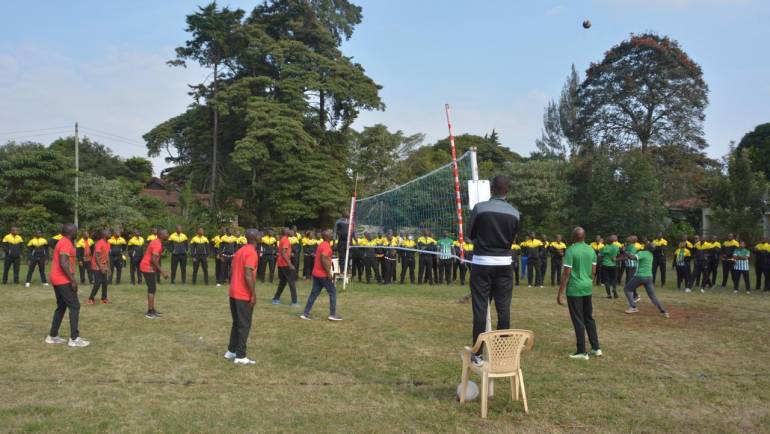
(436, 260)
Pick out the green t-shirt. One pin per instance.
(609, 252)
(645, 264)
(445, 248)
(581, 258)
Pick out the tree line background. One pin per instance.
(270, 128)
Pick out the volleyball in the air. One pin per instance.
(586, 24)
(470, 394)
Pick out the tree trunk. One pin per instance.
(322, 110)
(215, 146)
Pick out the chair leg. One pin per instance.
(484, 395)
(464, 388)
(523, 392)
(515, 387)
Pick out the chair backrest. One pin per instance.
(503, 348)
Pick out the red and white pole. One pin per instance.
(458, 198)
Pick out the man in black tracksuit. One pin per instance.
(179, 245)
(492, 228)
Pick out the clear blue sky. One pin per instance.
(497, 62)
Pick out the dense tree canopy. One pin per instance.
(757, 144)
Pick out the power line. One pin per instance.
(108, 134)
(35, 130)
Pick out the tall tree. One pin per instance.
(646, 91)
(551, 143)
(540, 190)
(757, 144)
(215, 39)
(375, 154)
(561, 123)
(737, 199)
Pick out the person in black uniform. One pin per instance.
(270, 251)
(516, 262)
(659, 245)
(200, 252)
(357, 261)
(701, 265)
(341, 228)
(726, 254)
(309, 246)
(38, 256)
(713, 259)
(117, 250)
(83, 251)
(407, 258)
(178, 245)
(425, 243)
(226, 253)
(135, 254)
(556, 249)
(370, 258)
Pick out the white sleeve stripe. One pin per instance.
(567, 266)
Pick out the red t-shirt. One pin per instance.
(318, 268)
(246, 256)
(63, 247)
(146, 265)
(103, 248)
(284, 244)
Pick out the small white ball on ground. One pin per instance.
(470, 394)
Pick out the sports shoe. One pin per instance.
(276, 301)
(334, 318)
(219, 285)
(748, 292)
(150, 315)
(79, 343)
(158, 314)
(229, 355)
(244, 361)
(294, 305)
(688, 290)
(632, 310)
(45, 284)
(541, 286)
(579, 356)
(54, 340)
(637, 299)
(596, 353)
(90, 301)
(703, 291)
(26, 285)
(665, 314)
(735, 292)
(306, 316)
(105, 301)
(529, 286)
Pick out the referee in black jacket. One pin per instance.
(493, 226)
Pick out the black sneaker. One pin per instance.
(150, 315)
(157, 313)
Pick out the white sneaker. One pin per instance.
(541, 286)
(244, 361)
(54, 340)
(79, 343)
(229, 355)
(703, 291)
(687, 290)
(529, 286)
(334, 318)
(45, 284)
(219, 285)
(26, 285)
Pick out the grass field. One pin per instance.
(391, 366)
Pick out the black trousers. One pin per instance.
(620, 269)
(702, 274)
(533, 271)
(425, 271)
(116, 267)
(543, 269)
(201, 262)
(713, 267)
(737, 274)
(85, 270)
(11, 261)
(389, 266)
(491, 283)
(40, 264)
(268, 265)
(239, 333)
(370, 263)
(599, 273)
(445, 271)
(357, 265)
(659, 262)
(683, 275)
(133, 268)
(556, 262)
(610, 280)
(66, 298)
(407, 264)
(727, 270)
(100, 281)
(581, 313)
(516, 265)
(286, 276)
(758, 275)
(179, 260)
(307, 267)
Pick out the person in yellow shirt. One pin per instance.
(425, 244)
(726, 255)
(370, 258)
(557, 249)
(269, 251)
(597, 245)
(762, 264)
(534, 249)
(38, 256)
(135, 255)
(715, 247)
(659, 246)
(356, 258)
(84, 249)
(515, 261)
(466, 266)
(296, 246)
(226, 253)
(179, 245)
(309, 245)
(12, 244)
(681, 263)
(117, 255)
(200, 251)
(407, 258)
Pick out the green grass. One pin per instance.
(391, 366)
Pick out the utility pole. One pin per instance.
(77, 173)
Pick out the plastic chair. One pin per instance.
(502, 351)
